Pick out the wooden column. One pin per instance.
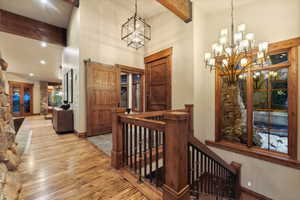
(176, 185)
(237, 167)
(117, 138)
(190, 109)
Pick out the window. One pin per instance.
(131, 88)
(258, 116)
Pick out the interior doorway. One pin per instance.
(132, 88)
(21, 98)
(158, 68)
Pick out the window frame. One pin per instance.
(289, 159)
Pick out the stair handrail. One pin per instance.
(197, 143)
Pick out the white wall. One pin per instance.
(170, 31)
(100, 28)
(36, 88)
(270, 20)
(71, 60)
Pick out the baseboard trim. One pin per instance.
(80, 134)
(254, 194)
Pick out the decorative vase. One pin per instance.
(65, 106)
(128, 110)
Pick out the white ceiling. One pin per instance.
(24, 55)
(55, 12)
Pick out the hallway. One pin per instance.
(67, 167)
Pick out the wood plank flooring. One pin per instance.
(65, 167)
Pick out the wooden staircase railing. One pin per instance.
(159, 148)
(211, 175)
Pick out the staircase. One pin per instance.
(159, 149)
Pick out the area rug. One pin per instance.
(103, 142)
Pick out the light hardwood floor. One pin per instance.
(66, 167)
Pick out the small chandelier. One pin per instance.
(234, 54)
(135, 31)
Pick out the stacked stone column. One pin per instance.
(10, 158)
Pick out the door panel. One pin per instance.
(158, 83)
(102, 96)
(27, 100)
(16, 100)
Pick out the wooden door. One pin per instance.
(102, 95)
(158, 81)
(21, 98)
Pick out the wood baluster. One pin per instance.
(127, 146)
(130, 146)
(145, 151)
(150, 154)
(202, 170)
(124, 144)
(135, 148)
(192, 169)
(197, 172)
(140, 154)
(156, 158)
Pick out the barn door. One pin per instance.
(158, 81)
(102, 95)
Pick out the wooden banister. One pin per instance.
(176, 185)
(147, 123)
(194, 141)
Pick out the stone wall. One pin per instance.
(44, 97)
(10, 158)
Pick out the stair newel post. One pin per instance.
(190, 109)
(117, 138)
(176, 185)
(237, 187)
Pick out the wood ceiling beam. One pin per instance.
(73, 2)
(181, 8)
(30, 28)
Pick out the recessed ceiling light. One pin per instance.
(31, 74)
(44, 44)
(43, 62)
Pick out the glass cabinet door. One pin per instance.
(27, 100)
(16, 100)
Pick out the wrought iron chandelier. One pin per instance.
(235, 53)
(135, 31)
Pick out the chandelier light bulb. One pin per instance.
(223, 40)
(260, 55)
(244, 61)
(214, 46)
(225, 62)
(263, 47)
(250, 36)
(238, 37)
(207, 56)
(228, 51)
(244, 44)
(224, 32)
(242, 28)
(212, 62)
